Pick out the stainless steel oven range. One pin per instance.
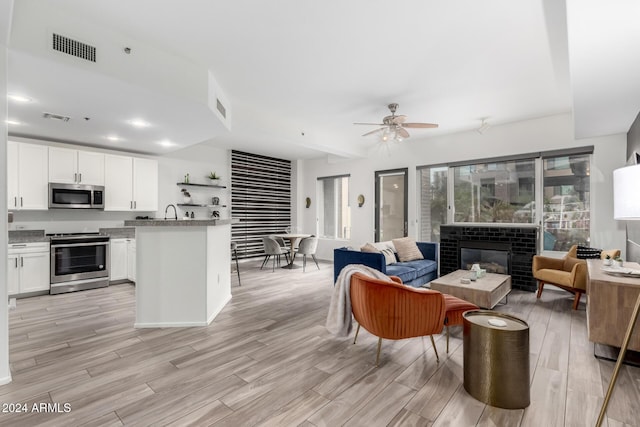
(79, 261)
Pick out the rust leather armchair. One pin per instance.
(395, 311)
(568, 273)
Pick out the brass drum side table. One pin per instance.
(496, 358)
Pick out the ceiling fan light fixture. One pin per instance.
(484, 126)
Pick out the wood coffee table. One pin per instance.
(485, 292)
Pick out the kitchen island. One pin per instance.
(183, 271)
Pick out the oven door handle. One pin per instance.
(73, 245)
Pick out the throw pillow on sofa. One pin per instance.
(370, 248)
(389, 255)
(407, 249)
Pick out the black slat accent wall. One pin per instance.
(260, 199)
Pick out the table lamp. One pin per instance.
(626, 206)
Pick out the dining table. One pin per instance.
(292, 238)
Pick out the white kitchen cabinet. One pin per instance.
(27, 176)
(118, 183)
(75, 166)
(131, 259)
(13, 274)
(131, 184)
(28, 268)
(118, 269)
(145, 184)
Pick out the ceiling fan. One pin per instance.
(394, 127)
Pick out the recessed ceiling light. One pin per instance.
(19, 98)
(139, 123)
(13, 122)
(166, 143)
(114, 138)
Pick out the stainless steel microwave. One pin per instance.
(76, 196)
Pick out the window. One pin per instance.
(566, 208)
(550, 189)
(334, 212)
(433, 202)
(494, 192)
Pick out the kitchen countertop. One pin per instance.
(27, 236)
(178, 223)
(119, 232)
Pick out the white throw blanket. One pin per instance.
(339, 318)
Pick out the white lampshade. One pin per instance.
(626, 193)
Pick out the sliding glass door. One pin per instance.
(391, 204)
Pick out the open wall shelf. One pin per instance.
(200, 185)
(196, 205)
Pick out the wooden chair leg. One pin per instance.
(540, 286)
(435, 350)
(447, 339)
(356, 337)
(378, 353)
(576, 300)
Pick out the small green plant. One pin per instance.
(213, 175)
(618, 258)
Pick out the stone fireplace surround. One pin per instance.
(520, 240)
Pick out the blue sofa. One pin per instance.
(413, 273)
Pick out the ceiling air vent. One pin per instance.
(56, 117)
(73, 47)
(221, 108)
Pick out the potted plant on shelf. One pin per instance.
(617, 262)
(186, 196)
(213, 177)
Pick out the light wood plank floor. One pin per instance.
(268, 360)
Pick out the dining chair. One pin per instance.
(308, 246)
(273, 249)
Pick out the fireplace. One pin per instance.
(517, 243)
(492, 257)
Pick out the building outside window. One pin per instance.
(494, 192)
(432, 184)
(566, 207)
(333, 210)
(506, 192)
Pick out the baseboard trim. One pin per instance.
(216, 312)
(5, 380)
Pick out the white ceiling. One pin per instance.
(295, 74)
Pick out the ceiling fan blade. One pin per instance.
(403, 132)
(419, 125)
(374, 131)
(399, 119)
(370, 124)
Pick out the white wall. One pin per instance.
(6, 9)
(198, 160)
(548, 133)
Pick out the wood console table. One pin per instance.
(610, 304)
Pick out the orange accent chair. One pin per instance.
(568, 273)
(395, 311)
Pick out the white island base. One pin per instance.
(183, 273)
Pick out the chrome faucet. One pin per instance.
(175, 214)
